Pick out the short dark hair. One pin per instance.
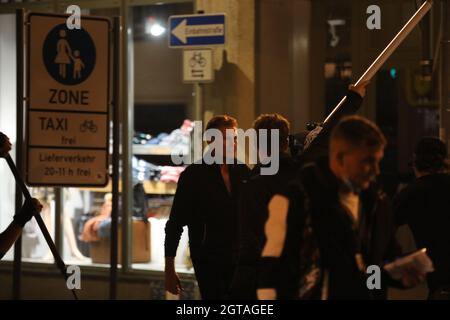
(221, 122)
(359, 132)
(274, 121)
(430, 155)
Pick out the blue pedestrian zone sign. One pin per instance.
(69, 57)
(68, 69)
(197, 30)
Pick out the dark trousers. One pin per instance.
(244, 283)
(213, 277)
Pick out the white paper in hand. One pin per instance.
(418, 260)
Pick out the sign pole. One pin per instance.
(116, 161)
(17, 268)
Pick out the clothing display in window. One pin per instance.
(141, 138)
(171, 174)
(178, 139)
(143, 170)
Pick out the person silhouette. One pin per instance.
(30, 208)
(77, 64)
(64, 53)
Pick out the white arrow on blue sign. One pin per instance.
(196, 30)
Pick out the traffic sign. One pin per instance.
(63, 129)
(68, 69)
(67, 167)
(68, 101)
(197, 30)
(198, 65)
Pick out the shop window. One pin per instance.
(163, 120)
(81, 208)
(34, 247)
(86, 212)
(7, 117)
(162, 124)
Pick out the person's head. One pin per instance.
(270, 122)
(223, 123)
(62, 33)
(76, 53)
(430, 156)
(356, 149)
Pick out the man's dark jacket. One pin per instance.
(425, 207)
(258, 192)
(203, 204)
(339, 239)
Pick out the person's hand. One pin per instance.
(411, 277)
(360, 88)
(173, 284)
(29, 209)
(5, 145)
